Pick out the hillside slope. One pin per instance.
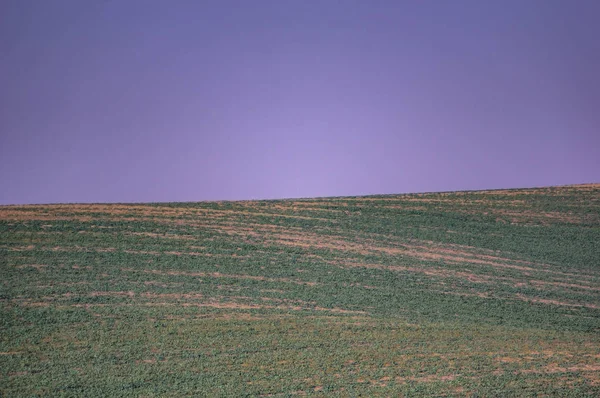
(488, 293)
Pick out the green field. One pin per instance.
(487, 293)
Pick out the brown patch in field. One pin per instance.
(555, 302)
(162, 284)
(21, 215)
(228, 213)
(457, 254)
(154, 253)
(87, 306)
(175, 296)
(71, 211)
(460, 390)
(297, 392)
(145, 361)
(426, 379)
(251, 229)
(337, 202)
(117, 209)
(227, 305)
(162, 214)
(510, 360)
(464, 294)
(28, 303)
(405, 207)
(356, 200)
(163, 236)
(594, 380)
(431, 271)
(512, 192)
(215, 302)
(457, 201)
(296, 206)
(12, 374)
(562, 284)
(461, 253)
(236, 230)
(524, 215)
(112, 294)
(179, 253)
(39, 267)
(192, 213)
(487, 295)
(515, 210)
(20, 248)
(77, 248)
(554, 368)
(220, 275)
(272, 291)
(187, 253)
(314, 241)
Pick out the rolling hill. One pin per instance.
(479, 293)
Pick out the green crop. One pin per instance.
(485, 293)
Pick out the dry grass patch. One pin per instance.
(420, 251)
(220, 275)
(555, 302)
(163, 236)
(39, 267)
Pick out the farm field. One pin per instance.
(479, 293)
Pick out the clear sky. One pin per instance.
(173, 100)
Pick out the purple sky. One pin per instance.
(139, 101)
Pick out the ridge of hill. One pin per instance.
(448, 294)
